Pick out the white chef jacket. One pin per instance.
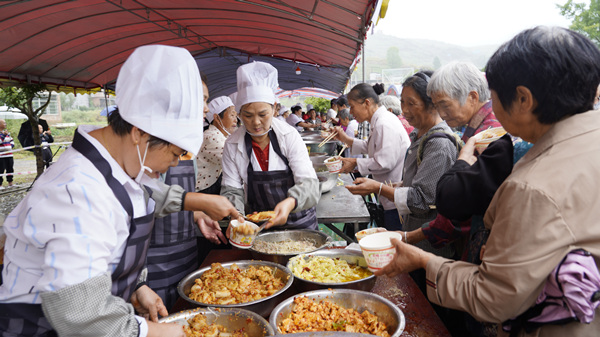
(69, 228)
(293, 120)
(386, 147)
(235, 159)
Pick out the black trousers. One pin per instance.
(6, 166)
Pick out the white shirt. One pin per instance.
(69, 228)
(331, 114)
(209, 158)
(386, 147)
(293, 120)
(235, 159)
(350, 131)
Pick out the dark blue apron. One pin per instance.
(20, 319)
(173, 252)
(267, 188)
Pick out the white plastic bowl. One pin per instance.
(240, 240)
(378, 249)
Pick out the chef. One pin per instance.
(76, 245)
(265, 162)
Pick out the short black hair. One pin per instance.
(333, 101)
(121, 127)
(560, 67)
(362, 91)
(419, 82)
(296, 108)
(342, 100)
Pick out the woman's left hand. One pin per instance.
(282, 211)
(364, 186)
(148, 304)
(348, 165)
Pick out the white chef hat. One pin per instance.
(256, 82)
(309, 107)
(233, 98)
(159, 90)
(217, 105)
(283, 109)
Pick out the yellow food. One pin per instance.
(199, 328)
(492, 133)
(259, 216)
(327, 270)
(243, 229)
(288, 246)
(309, 315)
(221, 285)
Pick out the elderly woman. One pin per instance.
(386, 146)
(460, 94)
(433, 150)
(542, 84)
(265, 163)
(223, 122)
(392, 104)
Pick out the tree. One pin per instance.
(585, 20)
(436, 63)
(393, 58)
(320, 104)
(22, 98)
(66, 101)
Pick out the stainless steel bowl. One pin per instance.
(360, 301)
(232, 319)
(262, 306)
(320, 239)
(313, 146)
(327, 181)
(318, 158)
(350, 256)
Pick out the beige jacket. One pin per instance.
(547, 207)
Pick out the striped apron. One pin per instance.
(173, 252)
(20, 319)
(267, 188)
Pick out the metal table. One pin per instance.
(341, 206)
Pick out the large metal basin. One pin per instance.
(232, 319)
(262, 306)
(386, 311)
(320, 239)
(350, 256)
(329, 147)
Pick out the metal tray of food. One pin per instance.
(232, 319)
(320, 239)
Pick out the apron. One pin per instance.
(28, 319)
(173, 252)
(267, 188)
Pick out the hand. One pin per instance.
(282, 211)
(148, 304)
(467, 153)
(215, 206)
(364, 186)
(348, 165)
(165, 329)
(209, 228)
(406, 259)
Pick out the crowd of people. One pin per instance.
(485, 231)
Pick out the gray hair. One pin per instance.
(344, 114)
(457, 79)
(392, 102)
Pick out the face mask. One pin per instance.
(143, 168)
(223, 127)
(257, 135)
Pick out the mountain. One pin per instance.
(421, 53)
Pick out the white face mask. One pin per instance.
(257, 135)
(223, 127)
(143, 168)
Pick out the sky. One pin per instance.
(468, 22)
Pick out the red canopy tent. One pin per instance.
(81, 44)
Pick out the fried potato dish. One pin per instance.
(308, 315)
(221, 285)
(260, 216)
(327, 270)
(199, 328)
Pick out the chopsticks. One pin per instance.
(328, 138)
(342, 150)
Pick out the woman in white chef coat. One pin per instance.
(77, 243)
(265, 162)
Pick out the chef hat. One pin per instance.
(159, 91)
(309, 107)
(233, 98)
(218, 105)
(256, 82)
(282, 110)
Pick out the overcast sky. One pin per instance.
(468, 22)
